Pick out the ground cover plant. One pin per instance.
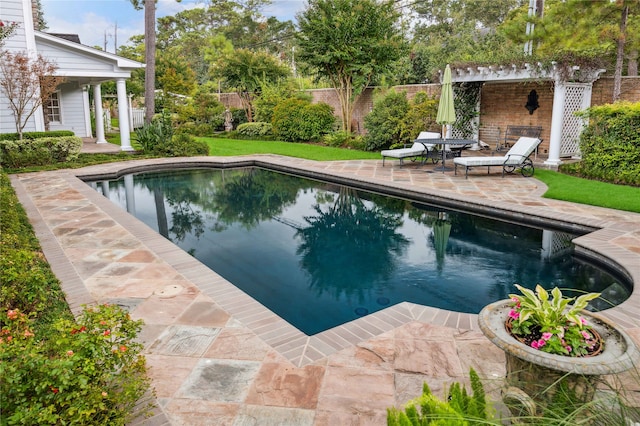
(56, 369)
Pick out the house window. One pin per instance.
(52, 108)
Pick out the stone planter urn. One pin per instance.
(534, 378)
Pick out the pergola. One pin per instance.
(572, 93)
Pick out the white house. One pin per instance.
(84, 69)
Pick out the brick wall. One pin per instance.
(603, 90)
(501, 103)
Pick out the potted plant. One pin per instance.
(556, 352)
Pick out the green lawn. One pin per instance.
(228, 147)
(585, 191)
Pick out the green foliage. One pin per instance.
(562, 330)
(255, 129)
(238, 116)
(245, 71)
(42, 151)
(300, 120)
(182, 145)
(202, 114)
(459, 408)
(55, 370)
(271, 95)
(610, 144)
(157, 133)
(349, 42)
(385, 123)
(84, 372)
(420, 117)
(36, 135)
(344, 139)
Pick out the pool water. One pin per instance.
(320, 254)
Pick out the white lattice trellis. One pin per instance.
(466, 127)
(576, 95)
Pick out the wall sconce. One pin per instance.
(532, 102)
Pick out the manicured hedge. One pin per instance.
(35, 135)
(39, 152)
(610, 144)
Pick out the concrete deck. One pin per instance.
(217, 357)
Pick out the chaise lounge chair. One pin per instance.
(516, 157)
(418, 149)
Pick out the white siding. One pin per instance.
(13, 11)
(72, 63)
(71, 110)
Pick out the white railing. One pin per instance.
(136, 117)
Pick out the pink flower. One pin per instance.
(583, 321)
(537, 344)
(27, 333)
(107, 332)
(69, 353)
(585, 334)
(12, 314)
(514, 314)
(568, 348)
(547, 336)
(123, 348)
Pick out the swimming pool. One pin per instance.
(320, 254)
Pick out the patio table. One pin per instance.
(443, 143)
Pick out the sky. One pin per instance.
(95, 21)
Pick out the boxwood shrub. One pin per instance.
(39, 152)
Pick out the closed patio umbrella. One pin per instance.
(446, 109)
(441, 231)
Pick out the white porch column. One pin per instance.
(557, 117)
(123, 115)
(87, 112)
(97, 100)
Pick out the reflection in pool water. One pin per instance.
(319, 254)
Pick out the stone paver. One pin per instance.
(217, 357)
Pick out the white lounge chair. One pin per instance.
(516, 157)
(418, 149)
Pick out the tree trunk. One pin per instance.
(150, 58)
(617, 77)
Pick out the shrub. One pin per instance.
(420, 117)
(610, 144)
(86, 372)
(271, 95)
(182, 145)
(255, 129)
(344, 139)
(155, 134)
(459, 408)
(384, 123)
(39, 152)
(55, 370)
(300, 120)
(36, 135)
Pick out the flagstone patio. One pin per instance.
(217, 357)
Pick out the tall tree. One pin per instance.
(27, 83)
(150, 54)
(597, 28)
(349, 42)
